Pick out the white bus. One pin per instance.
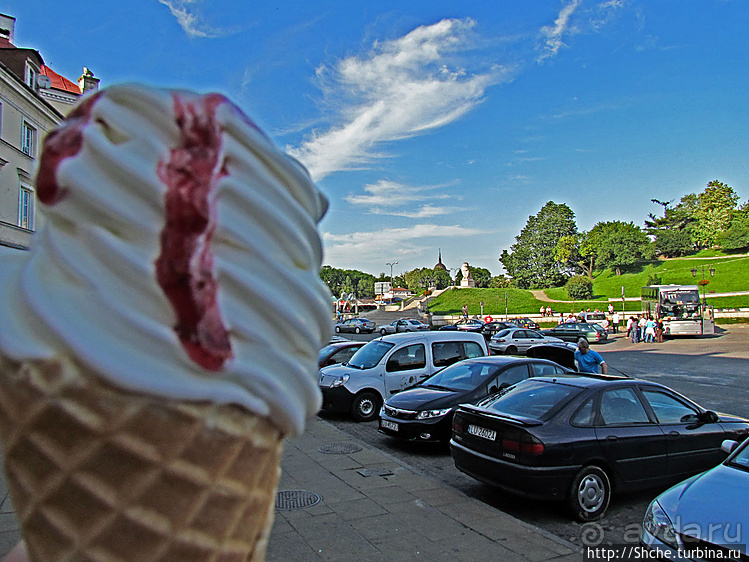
(680, 309)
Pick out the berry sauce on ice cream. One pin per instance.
(184, 269)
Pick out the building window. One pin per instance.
(31, 74)
(28, 139)
(26, 207)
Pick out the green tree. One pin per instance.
(579, 287)
(348, 281)
(714, 212)
(618, 244)
(419, 280)
(736, 236)
(674, 230)
(500, 282)
(576, 252)
(530, 261)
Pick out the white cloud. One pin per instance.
(553, 34)
(401, 88)
(191, 22)
(379, 246)
(392, 198)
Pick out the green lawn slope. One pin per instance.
(731, 275)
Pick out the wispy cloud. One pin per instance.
(367, 247)
(553, 35)
(191, 21)
(401, 88)
(393, 198)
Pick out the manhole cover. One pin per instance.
(339, 448)
(289, 500)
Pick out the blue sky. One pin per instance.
(445, 125)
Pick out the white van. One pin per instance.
(392, 363)
(592, 317)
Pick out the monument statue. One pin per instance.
(467, 280)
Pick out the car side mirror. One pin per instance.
(708, 417)
(728, 446)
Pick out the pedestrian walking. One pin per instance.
(589, 361)
(615, 323)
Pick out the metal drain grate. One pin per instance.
(289, 500)
(339, 448)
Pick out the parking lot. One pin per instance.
(713, 371)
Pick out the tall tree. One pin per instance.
(530, 261)
(715, 206)
(618, 244)
(576, 252)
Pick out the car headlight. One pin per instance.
(657, 523)
(426, 414)
(340, 381)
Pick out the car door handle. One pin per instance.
(674, 433)
(612, 438)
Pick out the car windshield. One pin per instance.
(324, 352)
(530, 399)
(369, 355)
(462, 376)
(742, 459)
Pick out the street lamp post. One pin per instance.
(704, 281)
(391, 279)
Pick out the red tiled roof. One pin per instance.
(60, 82)
(6, 44)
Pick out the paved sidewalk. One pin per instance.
(371, 507)
(374, 508)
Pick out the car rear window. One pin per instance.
(531, 399)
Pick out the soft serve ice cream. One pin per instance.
(180, 256)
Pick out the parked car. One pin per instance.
(404, 325)
(575, 331)
(355, 325)
(524, 322)
(491, 328)
(338, 352)
(390, 364)
(706, 512)
(595, 317)
(466, 325)
(425, 412)
(514, 341)
(578, 438)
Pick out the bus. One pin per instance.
(680, 309)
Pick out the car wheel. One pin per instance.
(357, 330)
(337, 329)
(383, 332)
(366, 406)
(511, 350)
(590, 494)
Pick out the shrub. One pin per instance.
(579, 287)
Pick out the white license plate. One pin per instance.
(482, 432)
(389, 425)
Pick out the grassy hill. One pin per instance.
(731, 274)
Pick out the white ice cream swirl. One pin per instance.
(88, 289)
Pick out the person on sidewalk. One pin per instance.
(589, 361)
(615, 323)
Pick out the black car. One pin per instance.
(576, 331)
(579, 438)
(424, 412)
(526, 323)
(338, 352)
(494, 326)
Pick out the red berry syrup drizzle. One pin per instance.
(62, 143)
(184, 269)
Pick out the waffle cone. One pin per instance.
(99, 474)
